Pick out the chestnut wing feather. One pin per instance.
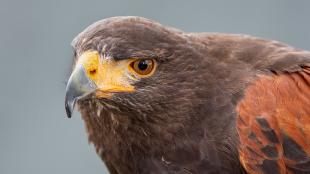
(274, 124)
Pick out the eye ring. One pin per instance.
(143, 67)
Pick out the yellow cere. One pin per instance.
(107, 74)
(89, 60)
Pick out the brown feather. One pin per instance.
(273, 124)
(183, 118)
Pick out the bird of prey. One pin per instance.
(159, 100)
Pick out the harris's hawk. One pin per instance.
(159, 100)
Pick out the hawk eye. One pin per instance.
(143, 66)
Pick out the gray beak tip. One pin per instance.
(69, 108)
(79, 86)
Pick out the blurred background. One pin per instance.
(35, 57)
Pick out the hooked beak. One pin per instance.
(79, 86)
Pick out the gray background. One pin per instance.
(35, 56)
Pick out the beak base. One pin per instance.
(79, 86)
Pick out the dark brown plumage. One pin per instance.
(216, 103)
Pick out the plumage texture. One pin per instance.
(208, 90)
(274, 124)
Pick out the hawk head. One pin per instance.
(135, 67)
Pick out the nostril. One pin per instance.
(93, 72)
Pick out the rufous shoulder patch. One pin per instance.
(274, 124)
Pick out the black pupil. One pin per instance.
(143, 64)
